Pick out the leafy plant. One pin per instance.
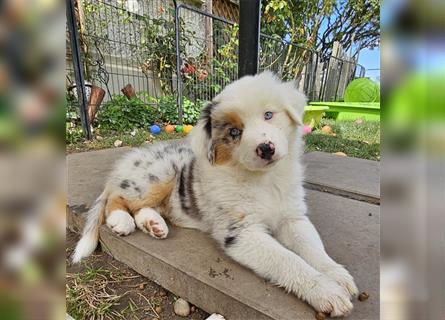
(121, 114)
(191, 111)
(168, 110)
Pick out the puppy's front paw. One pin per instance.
(329, 297)
(343, 278)
(121, 222)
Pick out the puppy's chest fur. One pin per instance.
(262, 196)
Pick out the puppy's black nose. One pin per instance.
(265, 150)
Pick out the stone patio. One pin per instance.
(343, 196)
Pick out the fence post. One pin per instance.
(339, 79)
(78, 68)
(178, 64)
(249, 37)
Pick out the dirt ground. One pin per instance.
(103, 288)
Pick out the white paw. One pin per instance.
(329, 297)
(121, 222)
(215, 316)
(151, 222)
(343, 278)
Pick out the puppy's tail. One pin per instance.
(90, 235)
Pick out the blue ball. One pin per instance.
(155, 129)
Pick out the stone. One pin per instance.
(339, 153)
(181, 307)
(118, 143)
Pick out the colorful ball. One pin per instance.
(179, 128)
(155, 129)
(188, 128)
(169, 128)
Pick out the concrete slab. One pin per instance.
(351, 177)
(191, 265)
(86, 174)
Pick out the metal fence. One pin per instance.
(128, 42)
(184, 55)
(207, 54)
(209, 60)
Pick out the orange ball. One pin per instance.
(169, 128)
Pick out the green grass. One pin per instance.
(359, 140)
(108, 138)
(87, 296)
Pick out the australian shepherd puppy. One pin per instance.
(238, 177)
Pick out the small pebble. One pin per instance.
(158, 309)
(162, 293)
(142, 286)
(118, 143)
(363, 296)
(99, 138)
(181, 307)
(320, 316)
(342, 154)
(192, 308)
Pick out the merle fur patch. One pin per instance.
(206, 116)
(125, 184)
(229, 240)
(158, 155)
(153, 178)
(187, 197)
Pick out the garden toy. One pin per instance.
(169, 128)
(155, 129)
(362, 90)
(368, 111)
(313, 114)
(362, 100)
(179, 128)
(188, 128)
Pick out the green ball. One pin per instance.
(179, 128)
(362, 90)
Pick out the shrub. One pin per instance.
(121, 114)
(191, 111)
(168, 110)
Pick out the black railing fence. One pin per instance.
(175, 56)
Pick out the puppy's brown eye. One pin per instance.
(268, 115)
(235, 132)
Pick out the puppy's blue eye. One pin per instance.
(268, 115)
(235, 132)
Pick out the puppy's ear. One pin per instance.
(201, 135)
(296, 101)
